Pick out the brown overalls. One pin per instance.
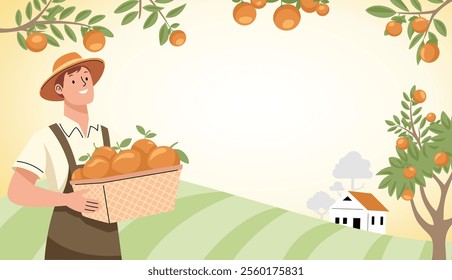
(72, 236)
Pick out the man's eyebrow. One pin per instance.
(70, 75)
(85, 72)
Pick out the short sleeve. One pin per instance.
(33, 157)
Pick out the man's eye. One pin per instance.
(86, 79)
(73, 82)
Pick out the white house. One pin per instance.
(359, 210)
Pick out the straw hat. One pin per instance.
(94, 65)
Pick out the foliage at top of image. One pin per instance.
(419, 28)
(286, 16)
(48, 22)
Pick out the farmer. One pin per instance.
(53, 152)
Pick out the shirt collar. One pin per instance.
(72, 128)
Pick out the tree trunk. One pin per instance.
(353, 184)
(439, 243)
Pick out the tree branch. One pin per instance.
(427, 203)
(164, 18)
(27, 25)
(140, 4)
(426, 226)
(433, 12)
(62, 22)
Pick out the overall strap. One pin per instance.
(105, 135)
(65, 145)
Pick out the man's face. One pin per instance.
(77, 88)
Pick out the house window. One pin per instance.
(344, 221)
(373, 220)
(337, 220)
(381, 220)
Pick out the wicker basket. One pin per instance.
(134, 195)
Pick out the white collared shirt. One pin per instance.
(44, 156)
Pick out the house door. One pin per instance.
(357, 223)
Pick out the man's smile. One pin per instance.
(83, 91)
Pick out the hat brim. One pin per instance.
(95, 66)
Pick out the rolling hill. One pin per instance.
(208, 224)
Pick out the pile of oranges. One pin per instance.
(285, 17)
(429, 52)
(144, 155)
(93, 41)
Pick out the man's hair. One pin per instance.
(60, 79)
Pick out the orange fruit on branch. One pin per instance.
(429, 52)
(177, 38)
(286, 17)
(407, 194)
(309, 6)
(322, 10)
(105, 152)
(244, 13)
(36, 42)
(419, 96)
(96, 168)
(420, 25)
(402, 143)
(441, 159)
(163, 156)
(431, 117)
(393, 28)
(409, 172)
(94, 40)
(258, 4)
(126, 161)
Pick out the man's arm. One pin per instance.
(23, 191)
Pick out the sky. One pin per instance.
(262, 113)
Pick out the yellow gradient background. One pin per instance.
(262, 113)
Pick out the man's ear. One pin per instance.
(59, 90)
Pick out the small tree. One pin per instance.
(320, 203)
(352, 166)
(422, 152)
(337, 187)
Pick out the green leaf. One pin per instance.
(125, 143)
(28, 10)
(406, 97)
(37, 5)
(418, 54)
(182, 156)
(436, 1)
(163, 1)
(399, 4)
(67, 12)
(83, 15)
(141, 130)
(392, 188)
(21, 41)
(41, 26)
(390, 123)
(18, 18)
(396, 119)
(405, 115)
(54, 11)
(440, 26)
(410, 31)
(124, 7)
(420, 180)
(104, 30)
(417, 119)
(96, 19)
(395, 162)
(84, 158)
(432, 38)
(386, 171)
(175, 12)
(416, 4)
(70, 33)
(151, 20)
(426, 139)
(402, 154)
(52, 41)
(129, 18)
(381, 11)
(423, 122)
(445, 120)
(392, 129)
(44, 2)
(405, 105)
(58, 1)
(150, 135)
(152, 8)
(175, 25)
(83, 30)
(385, 182)
(163, 34)
(416, 40)
(417, 111)
(56, 32)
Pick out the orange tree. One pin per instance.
(423, 148)
(419, 28)
(46, 22)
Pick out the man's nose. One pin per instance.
(83, 81)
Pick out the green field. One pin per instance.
(208, 224)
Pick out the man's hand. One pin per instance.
(78, 202)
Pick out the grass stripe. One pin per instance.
(427, 251)
(24, 233)
(143, 234)
(196, 238)
(308, 242)
(233, 242)
(377, 250)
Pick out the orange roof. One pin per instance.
(369, 201)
